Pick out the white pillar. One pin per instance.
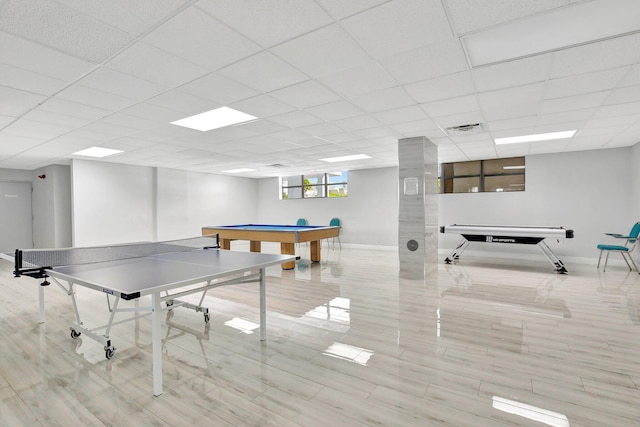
(418, 206)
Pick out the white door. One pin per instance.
(16, 229)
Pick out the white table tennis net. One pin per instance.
(89, 255)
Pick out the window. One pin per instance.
(495, 175)
(332, 184)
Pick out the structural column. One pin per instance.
(418, 207)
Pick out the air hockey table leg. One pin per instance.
(455, 254)
(557, 263)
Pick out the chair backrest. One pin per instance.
(301, 221)
(335, 222)
(635, 230)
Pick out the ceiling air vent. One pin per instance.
(276, 165)
(469, 129)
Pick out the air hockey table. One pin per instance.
(523, 235)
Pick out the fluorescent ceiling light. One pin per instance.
(536, 137)
(214, 119)
(513, 167)
(346, 158)
(534, 413)
(97, 152)
(557, 29)
(239, 170)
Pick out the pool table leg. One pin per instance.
(288, 249)
(254, 246)
(315, 251)
(225, 244)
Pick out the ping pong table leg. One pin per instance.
(263, 305)
(156, 344)
(41, 316)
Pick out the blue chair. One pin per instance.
(625, 250)
(335, 222)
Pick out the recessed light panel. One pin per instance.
(214, 119)
(560, 28)
(346, 158)
(97, 152)
(535, 137)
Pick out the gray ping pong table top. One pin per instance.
(146, 275)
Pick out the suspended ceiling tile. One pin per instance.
(295, 119)
(340, 9)
(427, 62)
(513, 73)
(589, 100)
(336, 111)
(463, 104)
(401, 115)
(264, 72)
(122, 84)
(325, 51)
(369, 77)
(305, 94)
(202, 40)
(423, 22)
(28, 81)
(471, 15)
(183, 102)
(96, 98)
(262, 106)
(451, 86)
(62, 28)
(382, 100)
(218, 88)
(613, 53)
(155, 65)
(131, 16)
(584, 83)
(14, 102)
(268, 23)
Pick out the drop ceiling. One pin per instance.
(326, 78)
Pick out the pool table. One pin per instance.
(287, 235)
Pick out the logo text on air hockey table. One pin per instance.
(495, 239)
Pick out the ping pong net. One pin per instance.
(36, 262)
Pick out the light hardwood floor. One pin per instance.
(484, 342)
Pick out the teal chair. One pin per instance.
(625, 250)
(335, 222)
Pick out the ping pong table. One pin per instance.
(166, 271)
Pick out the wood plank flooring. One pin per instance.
(478, 343)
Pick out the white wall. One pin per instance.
(588, 191)
(15, 175)
(187, 201)
(635, 181)
(115, 203)
(112, 203)
(369, 214)
(51, 201)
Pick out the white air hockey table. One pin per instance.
(523, 235)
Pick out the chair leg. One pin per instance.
(633, 262)
(625, 260)
(599, 258)
(339, 242)
(606, 260)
